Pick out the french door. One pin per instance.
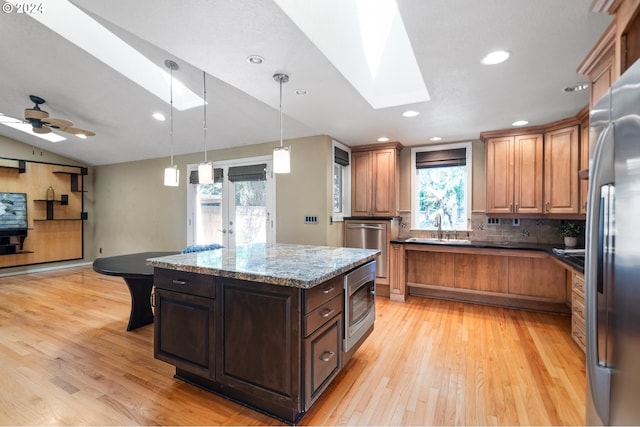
(237, 209)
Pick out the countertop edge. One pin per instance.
(258, 277)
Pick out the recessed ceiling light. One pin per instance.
(435, 138)
(255, 59)
(520, 123)
(301, 92)
(383, 139)
(410, 113)
(496, 57)
(159, 117)
(576, 88)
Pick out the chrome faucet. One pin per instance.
(438, 223)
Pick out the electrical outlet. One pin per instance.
(493, 221)
(516, 222)
(311, 219)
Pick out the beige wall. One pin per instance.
(136, 212)
(478, 179)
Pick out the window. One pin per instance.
(341, 181)
(441, 186)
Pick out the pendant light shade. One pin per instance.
(171, 172)
(171, 176)
(205, 169)
(281, 154)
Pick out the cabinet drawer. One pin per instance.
(577, 306)
(322, 293)
(577, 332)
(184, 282)
(322, 314)
(578, 283)
(323, 359)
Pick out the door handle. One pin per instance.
(327, 355)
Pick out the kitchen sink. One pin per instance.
(435, 241)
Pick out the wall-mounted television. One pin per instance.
(13, 214)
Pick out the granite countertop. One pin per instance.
(571, 261)
(300, 266)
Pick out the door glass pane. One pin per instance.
(209, 214)
(250, 222)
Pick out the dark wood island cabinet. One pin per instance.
(273, 342)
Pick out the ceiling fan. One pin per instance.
(42, 123)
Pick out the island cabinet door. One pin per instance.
(259, 343)
(185, 332)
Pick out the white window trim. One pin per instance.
(346, 184)
(414, 180)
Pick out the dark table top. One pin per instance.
(130, 266)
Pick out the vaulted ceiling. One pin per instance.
(548, 40)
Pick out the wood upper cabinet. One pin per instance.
(375, 179)
(561, 161)
(514, 174)
(599, 66)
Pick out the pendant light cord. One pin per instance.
(204, 121)
(281, 133)
(171, 112)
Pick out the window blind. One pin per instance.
(248, 173)
(217, 176)
(340, 157)
(441, 158)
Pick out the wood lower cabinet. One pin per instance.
(375, 179)
(512, 278)
(185, 332)
(577, 309)
(274, 348)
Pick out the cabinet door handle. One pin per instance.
(327, 312)
(328, 290)
(179, 282)
(548, 206)
(327, 355)
(153, 299)
(510, 207)
(517, 207)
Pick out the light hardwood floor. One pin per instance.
(66, 359)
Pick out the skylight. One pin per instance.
(27, 128)
(80, 29)
(367, 43)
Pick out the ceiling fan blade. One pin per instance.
(32, 113)
(78, 131)
(42, 129)
(60, 124)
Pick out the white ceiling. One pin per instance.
(548, 40)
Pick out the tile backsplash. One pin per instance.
(529, 230)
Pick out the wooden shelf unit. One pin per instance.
(55, 227)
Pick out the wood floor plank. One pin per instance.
(67, 360)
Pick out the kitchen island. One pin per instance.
(262, 325)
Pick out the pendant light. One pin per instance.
(281, 154)
(171, 172)
(205, 169)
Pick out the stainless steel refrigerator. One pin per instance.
(612, 264)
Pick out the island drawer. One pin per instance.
(322, 293)
(184, 282)
(322, 314)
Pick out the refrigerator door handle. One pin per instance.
(601, 175)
